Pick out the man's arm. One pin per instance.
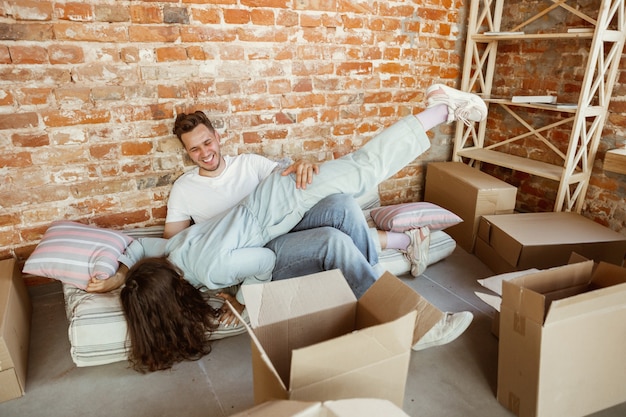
(172, 228)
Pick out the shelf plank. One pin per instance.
(518, 163)
(531, 36)
(615, 161)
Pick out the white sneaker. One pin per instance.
(417, 252)
(466, 107)
(445, 330)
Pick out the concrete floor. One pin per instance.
(452, 380)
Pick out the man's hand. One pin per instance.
(227, 318)
(304, 171)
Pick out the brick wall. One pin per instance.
(89, 91)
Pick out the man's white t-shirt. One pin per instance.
(198, 198)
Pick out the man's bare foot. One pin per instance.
(105, 285)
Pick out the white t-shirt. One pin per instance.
(199, 198)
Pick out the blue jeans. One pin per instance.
(332, 235)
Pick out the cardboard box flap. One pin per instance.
(364, 407)
(261, 362)
(351, 407)
(340, 357)
(606, 275)
(531, 294)
(271, 302)
(606, 292)
(390, 298)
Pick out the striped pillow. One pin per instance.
(407, 216)
(74, 252)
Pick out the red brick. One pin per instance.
(18, 120)
(58, 118)
(111, 13)
(15, 160)
(6, 97)
(65, 54)
(5, 56)
(171, 53)
(210, 16)
(262, 17)
(30, 140)
(74, 11)
(34, 95)
(146, 13)
(26, 31)
(236, 16)
(32, 9)
(96, 32)
(28, 54)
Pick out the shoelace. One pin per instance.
(462, 113)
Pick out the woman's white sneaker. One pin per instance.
(417, 251)
(462, 106)
(445, 330)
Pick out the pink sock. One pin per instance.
(433, 116)
(397, 240)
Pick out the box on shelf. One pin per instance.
(15, 315)
(313, 341)
(562, 341)
(470, 194)
(513, 242)
(354, 407)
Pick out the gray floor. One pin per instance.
(452, 380)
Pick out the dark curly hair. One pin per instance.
(168, 319)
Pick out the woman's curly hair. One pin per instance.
(168, 319)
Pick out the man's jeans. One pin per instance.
(333, 234)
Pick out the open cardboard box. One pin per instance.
(562, 340)
(15, 315)
(356, 407)
(313, 341)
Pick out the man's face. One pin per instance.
(203, 147)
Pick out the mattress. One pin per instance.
(97, 327)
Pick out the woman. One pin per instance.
(228, 250)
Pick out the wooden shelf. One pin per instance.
(606, 33)
(518, 163)
(615, 161)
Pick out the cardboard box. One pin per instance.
(513, 242)
(470, 194)
(562, 341)
(357, 407)
(15, 315)
(313, 341)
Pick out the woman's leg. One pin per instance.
(279, 206)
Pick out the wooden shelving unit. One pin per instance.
(605, 34)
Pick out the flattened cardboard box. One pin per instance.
(470, 194)
(513, 242)
(356, 407)
(15, 315)
(562, 341)
(313, 341)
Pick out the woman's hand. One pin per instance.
(113, 282)
(227, 318)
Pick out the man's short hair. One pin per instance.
(187, 122)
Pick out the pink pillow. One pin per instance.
(407, 216)
(73, 252)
